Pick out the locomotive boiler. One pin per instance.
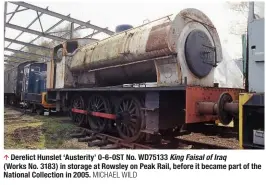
(146, 80)
(165, 51)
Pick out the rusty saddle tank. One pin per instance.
(184, 50)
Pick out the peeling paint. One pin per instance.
(160, 38)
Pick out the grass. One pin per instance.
(56, 133)
(39, 132)
(11, 143)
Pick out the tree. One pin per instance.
(239, 26)
(241, 9)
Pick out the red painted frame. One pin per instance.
(212, 94)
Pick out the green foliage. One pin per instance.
(39, 132)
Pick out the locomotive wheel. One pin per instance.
(98, 103)
(77, 103)
(130, 119)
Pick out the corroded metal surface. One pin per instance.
(224, 109)
(207, 111)
(209, 108)
(59, 74)
(157, 39)
(168, 72)
(50, 75)
(185, 22)
(148, 42)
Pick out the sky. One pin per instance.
(112, 14)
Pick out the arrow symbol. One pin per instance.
(6, 156)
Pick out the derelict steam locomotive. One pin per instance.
(147, 80)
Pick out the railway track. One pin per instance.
(105, 141)
(108, 141)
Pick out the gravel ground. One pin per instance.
(232, 143)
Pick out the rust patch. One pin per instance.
(157, 39)
(64, 52)
(211, 94)
(196, 16)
